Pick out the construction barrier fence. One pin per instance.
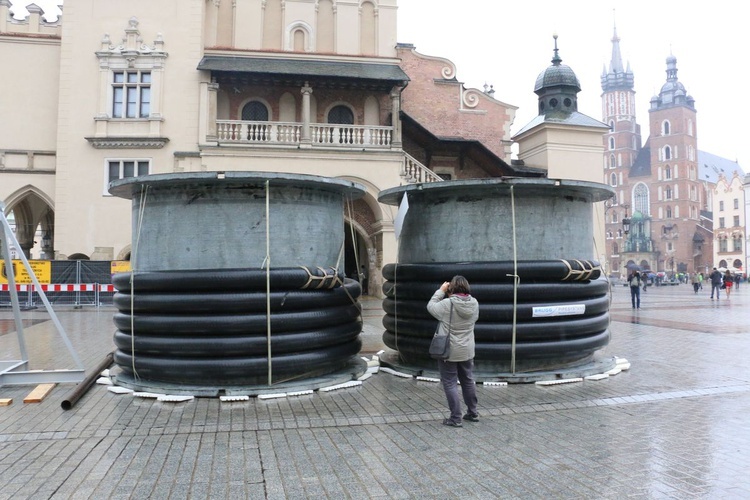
(71, 283)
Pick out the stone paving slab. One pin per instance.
(673, 426)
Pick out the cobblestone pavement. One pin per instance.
(674, 426)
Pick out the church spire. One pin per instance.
(615, 65)
(617, 78)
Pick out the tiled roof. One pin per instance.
(710, 167)
(574, 118)
(298, 67)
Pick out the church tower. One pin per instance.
(676, 193)
(621, 145)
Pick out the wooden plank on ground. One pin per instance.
(39, 393)
(6, 401)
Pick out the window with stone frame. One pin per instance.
(723, 244)
(737, 241)
(131, 78)
(736, 221)
(123, 168)
(721, 222)
(131, 94)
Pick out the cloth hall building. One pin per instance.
(126, 88)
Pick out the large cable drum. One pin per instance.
(526, 248)
(235, 285)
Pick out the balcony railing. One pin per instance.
(414, 172)
(288, 133)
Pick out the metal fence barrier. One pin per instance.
(74, 283)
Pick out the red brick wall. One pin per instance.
(436, 104)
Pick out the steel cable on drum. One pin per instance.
(133, 262)
(515, 281)
(268, 281)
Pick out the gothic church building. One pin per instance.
(665, 186)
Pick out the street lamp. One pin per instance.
(46, 244)
(626, 223)
(626, 219)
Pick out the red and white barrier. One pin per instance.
(88, 287)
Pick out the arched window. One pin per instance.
(611, 143)
(613, 180)
(690, 127)
(668, 193)
(665, 127)
(667, 153)
(612, 163)
(341, 114)
(641, 199)
(667, 172)
(669, 213)
(255, 111)
(615, 248)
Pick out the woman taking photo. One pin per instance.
(457, 312)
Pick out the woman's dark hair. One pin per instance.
(459, 284)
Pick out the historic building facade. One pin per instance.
(129, 88)
(665, 187)
(729, 230)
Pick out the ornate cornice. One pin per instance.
(127, 142)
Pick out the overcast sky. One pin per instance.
(507, 44)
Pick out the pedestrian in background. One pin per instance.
(363, 279)
(634, 280)
(696, 280)
(454, 297)
(728, 282)
(715, 278)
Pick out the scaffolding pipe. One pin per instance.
(87, 382)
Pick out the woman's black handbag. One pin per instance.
(440, 347)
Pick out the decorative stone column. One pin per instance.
(396, 117)
(306, 140)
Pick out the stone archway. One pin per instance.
(34, 220)
(360, 247)
(357, 261)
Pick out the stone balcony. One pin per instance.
(293, 134)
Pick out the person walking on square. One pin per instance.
(728, 282)
(696, 280)
(456, 296)
(363, 279)
(715, 278)
(737, 279)
(634, 280)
